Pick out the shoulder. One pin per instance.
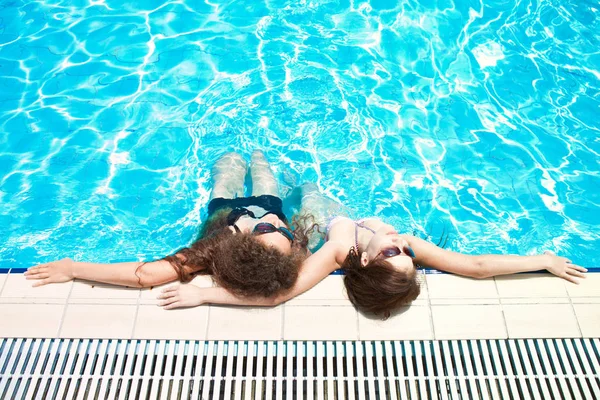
(342, 232)
(341, 221)
(332, 250)
(324, 259)
(330, 247)
(337, 249)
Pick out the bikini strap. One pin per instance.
(356, 237)
(359, 224)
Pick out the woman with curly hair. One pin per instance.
(380, 265)
(246, 243)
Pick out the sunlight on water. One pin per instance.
(441, 116)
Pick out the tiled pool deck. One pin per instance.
(449, 307)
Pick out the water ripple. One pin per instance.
(470, 118)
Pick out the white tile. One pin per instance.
(330, 288)
(588, 316)
(98, 321)
(2, 279)
(408, 323)
(468, 322)
(446, 302)
(330, 291)
(31, 300)
(447, 286)
(574, 300)
(30, 320)
(536, 300)
(17, 286)
(540, 321)
(314, 302)
(154, 322)
(588, 287)
(149, 295)
(131, 302)
(531, 285)
(89, 290)
(320, 323)
(241, 323)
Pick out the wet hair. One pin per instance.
(240, 263)
(304, 226)
(378, 288)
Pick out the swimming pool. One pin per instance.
(440, 116)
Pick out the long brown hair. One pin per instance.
(241, 263)
(377, 287)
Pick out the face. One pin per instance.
(386, 238)
(275, 240)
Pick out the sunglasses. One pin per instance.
(394, 251)
(265, 227)
(260, 228)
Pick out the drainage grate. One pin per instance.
(178, 369)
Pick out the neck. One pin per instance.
(364, 237)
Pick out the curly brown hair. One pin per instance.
(241, 263)
(377, 287)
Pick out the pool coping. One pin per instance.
(449, 307)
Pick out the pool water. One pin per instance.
(479, 122)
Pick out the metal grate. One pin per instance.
(177, 369)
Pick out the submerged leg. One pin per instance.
(319, 205)
(321, 208)
(263, 180)
(228, 176)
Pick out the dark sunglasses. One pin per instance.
(265, 227)
(394, 251)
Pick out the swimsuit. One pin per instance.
(357, 224)
(259, 205)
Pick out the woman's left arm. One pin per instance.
(189, 295)
(488, 265)
(314, 269)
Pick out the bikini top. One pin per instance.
(357, 224)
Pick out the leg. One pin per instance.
(228, 176)
(263, 180)
(322, 208)
(318, 205)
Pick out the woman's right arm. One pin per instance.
(316, 267)
(489, 265)
(123, 274)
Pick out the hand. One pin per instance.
(563, 268)
(52, 272)
(182, 295)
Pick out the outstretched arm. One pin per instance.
(316, 267)
(124, 274)
(485, 266)
(189, 295)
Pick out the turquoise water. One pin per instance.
(480, 121)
